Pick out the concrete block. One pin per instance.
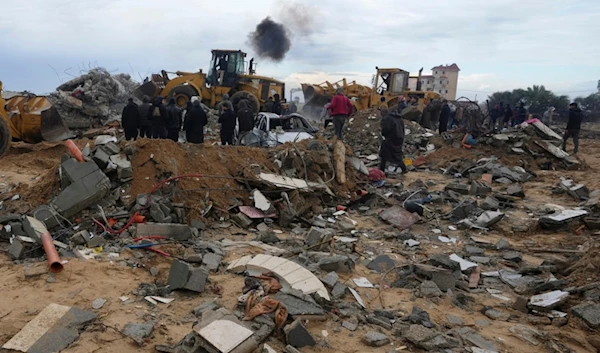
(479, 188)
(297, 335)
(101, 157)
(241, 220)
(197, 279)
(52, 330)
(381, 264)
(330, 279)
(179, 274)
(375, 339)
(179, 232)
(490, 204)
(111, 148)
(138, 332)
(73, 170)
(589, 313)
(465, 209)
(462, 189)
(337, 263)
(339, 290)
(81, 194)
(17, 249)
(211, 261)
(318, 235)
(515, 190)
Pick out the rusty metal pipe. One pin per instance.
(48, 243)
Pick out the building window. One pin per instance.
(436, 72)
(446, 91)
(441, 82)
(443, 72)
(440, 91)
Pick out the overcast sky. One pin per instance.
(498, 44)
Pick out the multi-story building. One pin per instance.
(443, 80)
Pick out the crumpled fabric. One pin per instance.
(272, 286)
(266, 306)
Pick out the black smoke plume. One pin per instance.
(270, 40)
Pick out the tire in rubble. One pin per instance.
(251, 98)
(182, 94)
(4, 136)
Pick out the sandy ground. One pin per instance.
(83, 281)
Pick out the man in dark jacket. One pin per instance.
(245, 119)
(276, 104)
(340, 108)
(573, 127)
(293, 108)
(444, 117)
(494, 115)
(130, 120)
(269, 105)
(507, 115)
(175, 120)
(145, 122)
(195, 121)
(227, 121)
(521, 114)
(392, 128)
(159, 116)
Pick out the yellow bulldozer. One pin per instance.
(228, 74)
(388, 83)
(29, 118)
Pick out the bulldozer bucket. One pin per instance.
(147, 89)
(53, 128)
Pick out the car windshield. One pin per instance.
(289, 123)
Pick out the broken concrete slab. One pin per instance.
(381, 264)
(515, 190)
(52, 330)
(464, 264)
(561, 218)
(225, 335)
(330, 279)
(138, 332)
(337, 263)
(489, 218)
(429, 289)
(588, 312)
(339, 290)
(548, 301)
(211, 261)
(443, 278)
(179, 232)
(430, 339)
(299, 306)
(472, 337)
(81, 194)
(526, 333)
(297, 335)
(455, 320)
(184, 276)
(375, 339)
(399, 217)
(197, 279)
(350, 324)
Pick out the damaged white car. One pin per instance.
(271, 130)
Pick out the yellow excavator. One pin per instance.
(388, 83)
(29, 118)
(228, 74)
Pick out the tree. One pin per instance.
(537, 99)
(590, 105)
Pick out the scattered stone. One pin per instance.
(520, 304)
(192, 257)
(35, 271)
(588, 312)
(539, 320)
(16, 249)
(375, 339)
(297, 335)
(350, 324)
(502, 244)
(241, 220)
(339, 290)
(512, 256)
(419, 316)
(98, 303)
(197, 280)
(337, 263)
(184, 276)
(473, 250)
(429, 289)
(205, 307)
(267, 237)
(444, 260)
(515, 190)
(455, 320)
(385, 323)
(482, 323)
(382, 264)
(330, 279)
(473, 338)
(198, 224)
(51, 279)
(300, 305)
(496, 314)
(560, 321)
(154, 271)
(179, 232)
(211, 261)
(548, 301)
(480, 259)
(138, 332)
(429, 339)
(526, 333)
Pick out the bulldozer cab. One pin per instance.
(392, 81)
(225, 67)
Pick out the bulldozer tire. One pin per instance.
(5, 137)
(250, 97)
(182, 94)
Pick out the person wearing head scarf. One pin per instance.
(245, 118)
(145, 122)
(391, 151)
(225, 101)
(130, 120)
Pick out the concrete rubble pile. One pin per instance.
(93, 99)
(318, 251)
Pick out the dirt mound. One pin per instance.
(587, 269)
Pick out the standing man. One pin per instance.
(195, 120)
(227, 121)
(159, 116)
(175, 120)
(494, 114)
(145, 122)
(225, 101)
(293, 107)
(269, 105)
(508, 113)
(444, 117)
(245, 119)
(130, 120)
(521, 114)
(276, 104)
(392, 129)
(341, 107)
(573, 127)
